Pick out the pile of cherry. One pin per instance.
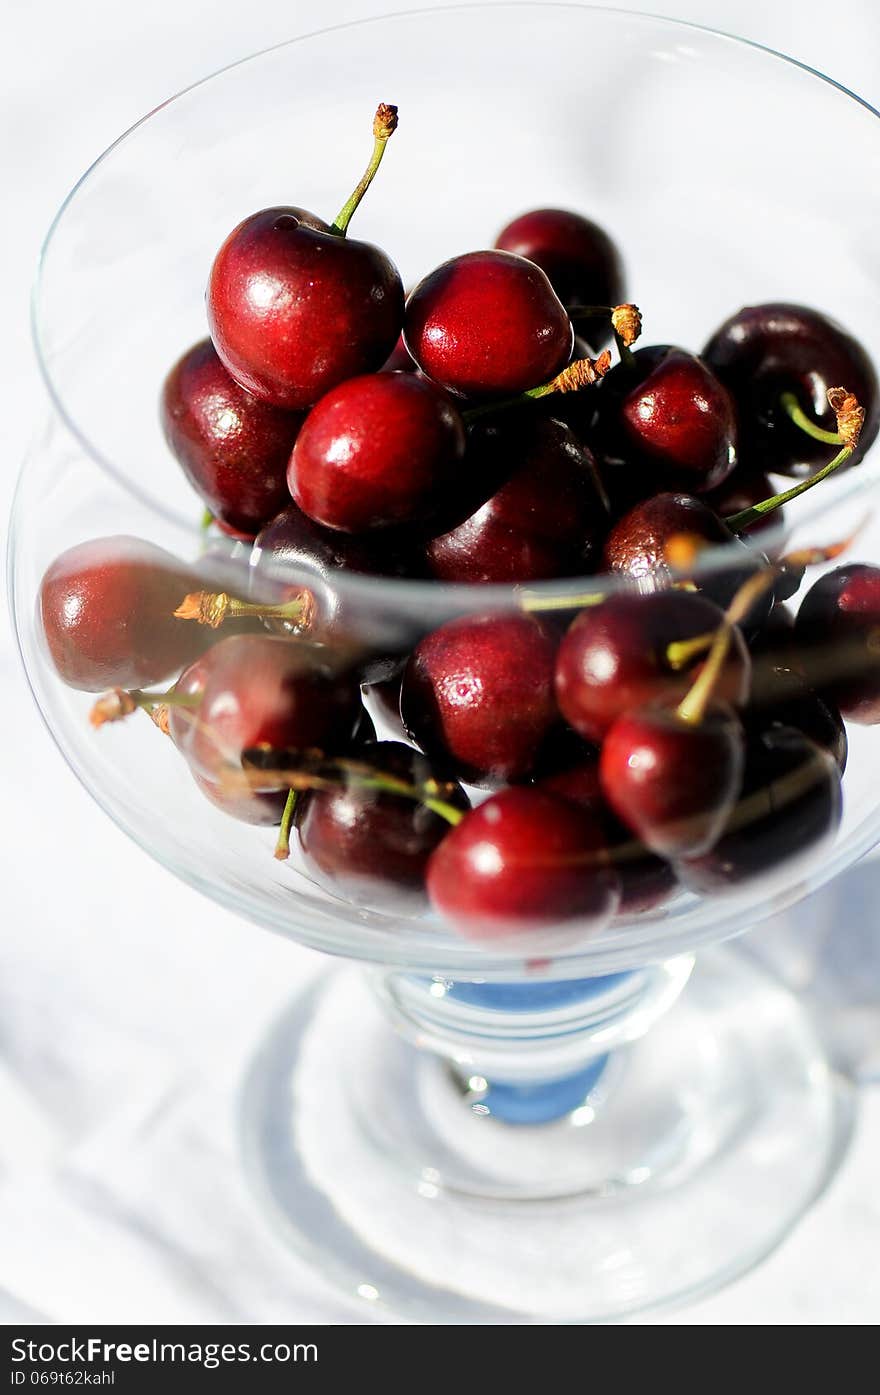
(683, 727)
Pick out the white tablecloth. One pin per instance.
(129, 1006)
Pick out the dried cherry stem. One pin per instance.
(850, 419)
(582, 373)
(806, 424)
(384, 126)
(303, 770)
(213, 607)
(626, 319)
(119, 703)
(282, 846)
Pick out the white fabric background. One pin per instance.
(128, 1004)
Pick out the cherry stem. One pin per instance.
(692, 707)
(207, 520)
(850, 420)
(582, 373)
(540, 603)
(282, 847)
(321, 772)
(213, 607)
(118, 703)
(739, 521)
(681, 651)
(626, 355)
(384, 126)
(800, 419)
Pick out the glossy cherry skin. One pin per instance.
(667, 417)
(234, 449)
(673, 782)
(637, 548)
(477, 695)
(262, 690)
(292, 554)
(293, 309)
(583, 265)
(764, 351)
(646, 881)
(107, 612)
(837, 635)
(522, 861)
(546, 519)
(487, 323)
(367, 845)
(378, 451)
(790, 805)
(614, 657)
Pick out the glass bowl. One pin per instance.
(539, 1157)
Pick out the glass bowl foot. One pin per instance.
(683, 1163)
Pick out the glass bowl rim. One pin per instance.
(412, 590)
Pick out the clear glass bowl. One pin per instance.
(729, 175)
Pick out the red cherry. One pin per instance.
(522, 861)
(673, 782)
(262, 690)
(578, 256)
(400, 360)
(233, 448)
(294, 309)
(487, 323)
(547, 519)
(665, 416)
(107, 611)
(638, 548)
(615, 657)
(837, 636)
(379, 450)
(369, 845)
(766, 351)
(478, 695)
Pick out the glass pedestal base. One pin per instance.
(690, 1156)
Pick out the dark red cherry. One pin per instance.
(638, 547)
(478, 695)
(781, 698)
(524, 860)
(292, 553)
(672, 781)
(615, 657)
(646, 881)
(107, 612)
(376, 452)
(369, 845)
(294, 308)
(547, 518)
(765, 351)
(233, 448)
(741, 490)
(487, 323)
(663, 415)
(265, 691)
(581, 261)
(837, 636)
(789, 807)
